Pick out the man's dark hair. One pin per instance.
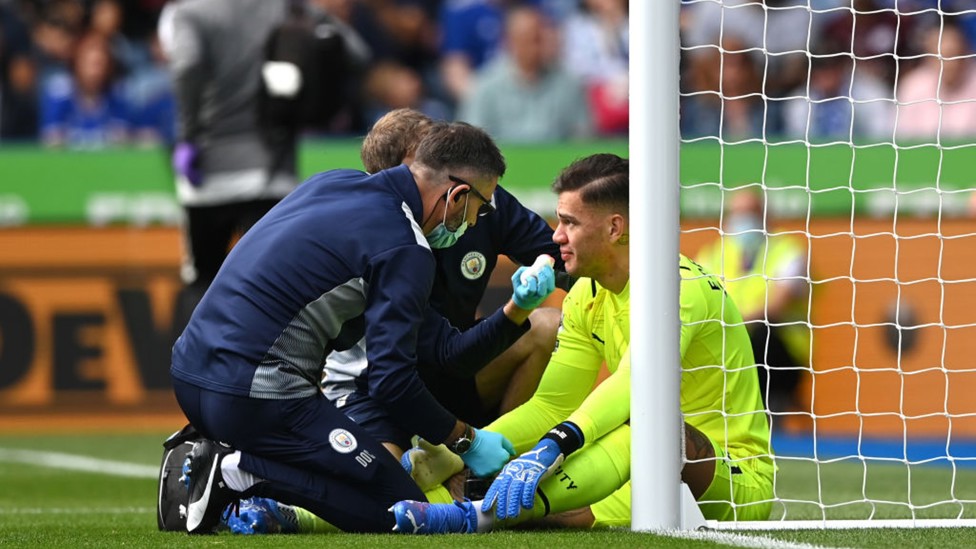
(602, 179)
(457, 145)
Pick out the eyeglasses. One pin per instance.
(487, 206)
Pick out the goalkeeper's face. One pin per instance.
(585, 237)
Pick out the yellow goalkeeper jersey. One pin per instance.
(719, 386)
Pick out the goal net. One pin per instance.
(828, 163)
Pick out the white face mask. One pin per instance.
(441, 236)
(748, 230)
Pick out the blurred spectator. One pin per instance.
(404, 31)
(228, 175)
(471, 33)
(18, 78)
(55, 48)
(70, 13)
(471, 36)
(776, 31)
(149, 91)
(525, 95)
(937, 99)
(960, 10)
(875, 34)
(88, 110)
(106, 21)
(722, 94)
(559, 11)
(777, 34)
(391, 86)
(596, 49)
(766, 275)
(840, 103)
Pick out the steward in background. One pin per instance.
(243, 72)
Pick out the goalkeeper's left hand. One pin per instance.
(514, 488)
(517, 482)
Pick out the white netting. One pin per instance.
(837, 138)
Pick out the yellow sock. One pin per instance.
(439, 494)
(310, 523)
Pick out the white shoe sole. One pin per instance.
(196, 510)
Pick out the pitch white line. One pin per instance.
(77, 511)
(740, 540)
(72, 462)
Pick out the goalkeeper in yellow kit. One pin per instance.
(574, 469)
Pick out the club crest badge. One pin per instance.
(342, 441)
(473, 265)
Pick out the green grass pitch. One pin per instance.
(44, 506)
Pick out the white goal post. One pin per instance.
(871, 168)
(655, 413)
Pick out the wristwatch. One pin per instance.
(463, 443)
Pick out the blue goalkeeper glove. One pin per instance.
(531, 292)
(514, 488)
(517, 482)
(488, 453)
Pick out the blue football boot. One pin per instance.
(257, 515)
(417, 517)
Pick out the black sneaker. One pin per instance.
(172, 495)
(209, 495)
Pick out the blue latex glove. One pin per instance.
(515, 486)
(535, 289)
(186, 162)
(488, 453)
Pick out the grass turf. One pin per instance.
(42, 506)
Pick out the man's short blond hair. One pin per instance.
(393, 138)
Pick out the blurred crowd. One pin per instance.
(829, 70)
(91, 73)
(84, 74)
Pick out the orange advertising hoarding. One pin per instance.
(873, 373)
(86, 326)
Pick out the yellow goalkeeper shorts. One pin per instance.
(739, 491)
